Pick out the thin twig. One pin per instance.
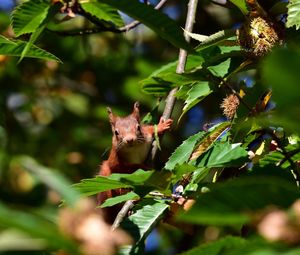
(101, 27)
(170, 100)
(122, 214)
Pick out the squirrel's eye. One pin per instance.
(138, 128)
(116, 133)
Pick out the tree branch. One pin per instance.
(170, 100)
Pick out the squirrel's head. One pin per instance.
(126, 130)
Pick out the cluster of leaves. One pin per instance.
(232, 171)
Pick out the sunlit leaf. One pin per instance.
(92, 186)
(141, 181)
(102, 11)
(293, 18)
(32, 17)
(209, 138)
(199, 90)
(183, 152)
(16, 48)
(222, 155)
(215, 39)
(142, 222)
(197, 37)
(156, 179)
(29, 15)
(221, 69)
(120, 199)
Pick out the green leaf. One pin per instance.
(293, 18)
(120, 199)
(197, 93)
(166, 81)
(218, 38)
(280, 71)
(183, 151)
(209, 138)
(220, 70)
(182, 169)
(143, 221)
(16, 48)
(241, 4)
(219, 247)
(231, 203)
(52, 178)
(36, 227)
(223, 155)
(157, 21)
(33, 17)
(102, 11)
(92, 186)
(142, 181)
(197, 37)
(155, 179)
(278, 8)
(192, 62)
(163, 79)
(29, 15)
(156, 86)
(230, 245)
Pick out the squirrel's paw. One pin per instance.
(164, 125)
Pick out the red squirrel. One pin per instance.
(131, 143)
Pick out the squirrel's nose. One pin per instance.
(130, 139)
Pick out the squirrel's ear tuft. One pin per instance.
(136, 110)
(111, 116)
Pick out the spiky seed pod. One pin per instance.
(230, 105)
(259, 36)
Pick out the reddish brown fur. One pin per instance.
(131, 143)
